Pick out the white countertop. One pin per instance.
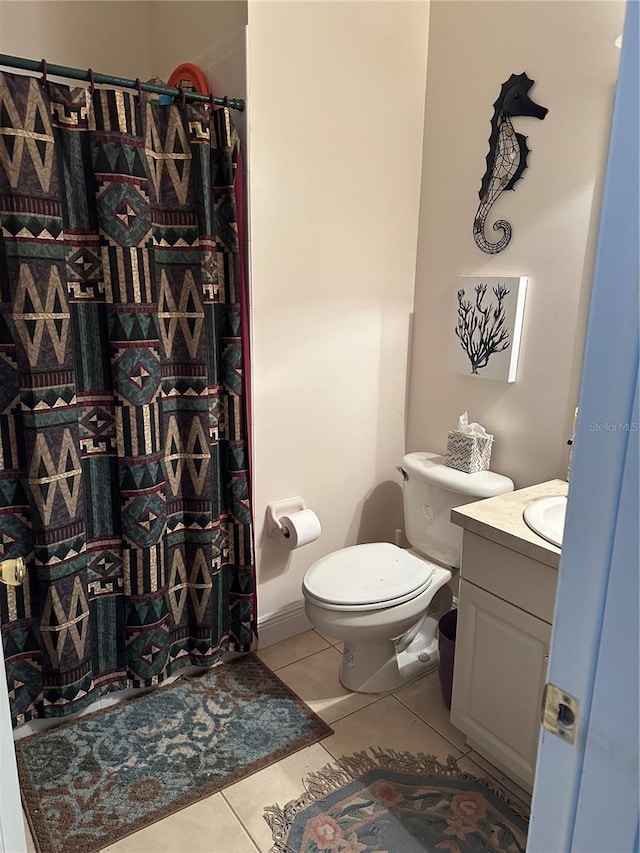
(500, 520)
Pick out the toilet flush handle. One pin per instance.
(405, 476)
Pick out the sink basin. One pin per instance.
(545, 516)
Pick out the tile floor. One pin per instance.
(412, 719)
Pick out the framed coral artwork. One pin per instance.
(487, 326)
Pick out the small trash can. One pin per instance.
(447, 648)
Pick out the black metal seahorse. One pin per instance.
(507, 157)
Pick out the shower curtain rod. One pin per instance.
(94, 77)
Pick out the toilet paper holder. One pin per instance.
(275, 511)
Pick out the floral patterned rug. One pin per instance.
(391, 802)
(100, 777)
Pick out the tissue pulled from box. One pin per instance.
(472, 429)
(468, 447)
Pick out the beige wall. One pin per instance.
(568, 49)
(186, 30)
(335, 107)
(212, 34)
(142, 39)
(111, 37)
(336, 95)
(336, 111)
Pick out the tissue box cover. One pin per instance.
(468, 453)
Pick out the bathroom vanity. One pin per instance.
(508, 579)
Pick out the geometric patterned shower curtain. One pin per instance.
(123, 454)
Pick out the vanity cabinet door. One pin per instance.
(500, 671)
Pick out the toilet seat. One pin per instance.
(367, 577)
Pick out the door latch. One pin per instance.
(13, 572)
(560, 712)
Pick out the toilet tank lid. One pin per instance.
(430, 467)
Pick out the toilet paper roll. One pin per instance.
(300, 528)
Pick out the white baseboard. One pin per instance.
(282, 624)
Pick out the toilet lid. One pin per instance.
(380, 573)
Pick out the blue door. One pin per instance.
(586, 793)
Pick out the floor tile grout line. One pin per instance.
(330, 759)
(297, 660)
(355, 711)
(239, 819)
(331, 642)
(504, 786)
(431, 726)
(433, 729)
(463, 752)
(329, 754)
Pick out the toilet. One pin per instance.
(384, 602)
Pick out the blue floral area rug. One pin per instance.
(391, 802)
(98, 778)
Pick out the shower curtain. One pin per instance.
(123, 461)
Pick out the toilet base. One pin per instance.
(377, 667)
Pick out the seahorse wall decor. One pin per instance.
(507, 157)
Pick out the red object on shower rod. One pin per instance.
(190, 77)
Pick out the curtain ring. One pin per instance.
(183, 98)
(212, 103)
(43, 79)
(225, 102)
(139, 88)
(92, 81)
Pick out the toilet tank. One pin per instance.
(430, 491)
